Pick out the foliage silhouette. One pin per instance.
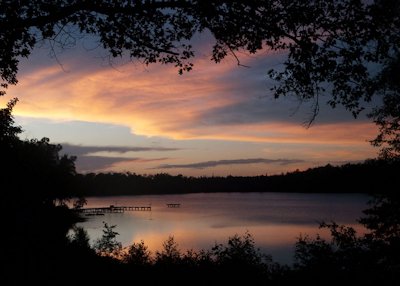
(79, 238)
(368, 259)
(9, 132)
(108, 245)
(170, 253)
(238, 261)
(241, 261)
(345, 49)
(138, 254)
(383, 218)
(36, 183)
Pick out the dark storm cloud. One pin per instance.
(208, 164)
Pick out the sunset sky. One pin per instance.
(219, 119)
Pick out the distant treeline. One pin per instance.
(371, 176)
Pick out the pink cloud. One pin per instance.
(156, 101)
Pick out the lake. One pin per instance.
(275, 220)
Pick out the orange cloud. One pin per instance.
(281, 132)
(134, 98)
(159, 102)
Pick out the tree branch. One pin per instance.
(60, 13)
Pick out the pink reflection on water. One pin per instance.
(274, 220)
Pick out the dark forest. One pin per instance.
(371, 176)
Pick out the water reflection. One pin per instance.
(275, 220)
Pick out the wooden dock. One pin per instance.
(173, 205)
(113, 209)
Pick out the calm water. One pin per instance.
(275, 220)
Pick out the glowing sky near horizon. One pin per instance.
(219, 119)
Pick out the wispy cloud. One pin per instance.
(208, 164)
(257, 110)
(94, 163)
(91, 158)
(78, 150)
(99, 163)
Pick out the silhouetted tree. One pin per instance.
(79, 203)
(170, 254)
(138, 254)
(368, 259)
(345, 48)
(33, 171)
(240, 261)
(79, 238)
(383, 217)
(387, 117)
(108, 245)
(35, 183)
(239, 250)
(8, 131)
